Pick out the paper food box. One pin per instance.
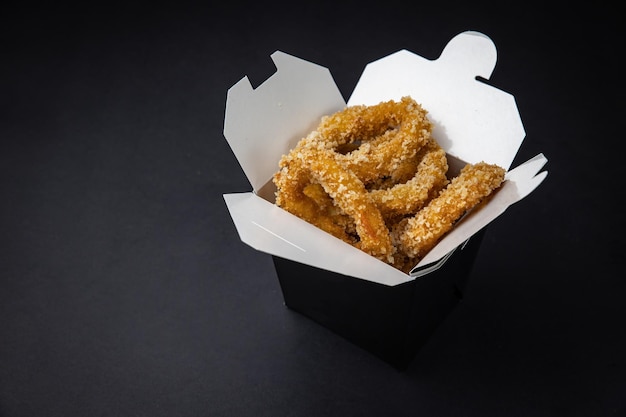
(370, 303)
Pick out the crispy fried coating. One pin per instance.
(428, 179)
(349, 194)
(386, 134)
(374, 177)
(417, 235)
(308, 200)
(313, 164)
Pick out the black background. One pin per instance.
(125, 290)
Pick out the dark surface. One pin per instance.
(125, 290)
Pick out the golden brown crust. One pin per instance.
(386, 134)
(429, 177)
(418, 234)
(374, 177)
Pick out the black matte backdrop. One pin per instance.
(125, 290)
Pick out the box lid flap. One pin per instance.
(473, 121)
(264, 123)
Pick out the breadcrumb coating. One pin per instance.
(374, 177)
(418, 234)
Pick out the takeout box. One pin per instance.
(381, 309)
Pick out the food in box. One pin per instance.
(386, 311)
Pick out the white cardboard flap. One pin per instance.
(473, 122)
(270, 229)
(262, 124)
